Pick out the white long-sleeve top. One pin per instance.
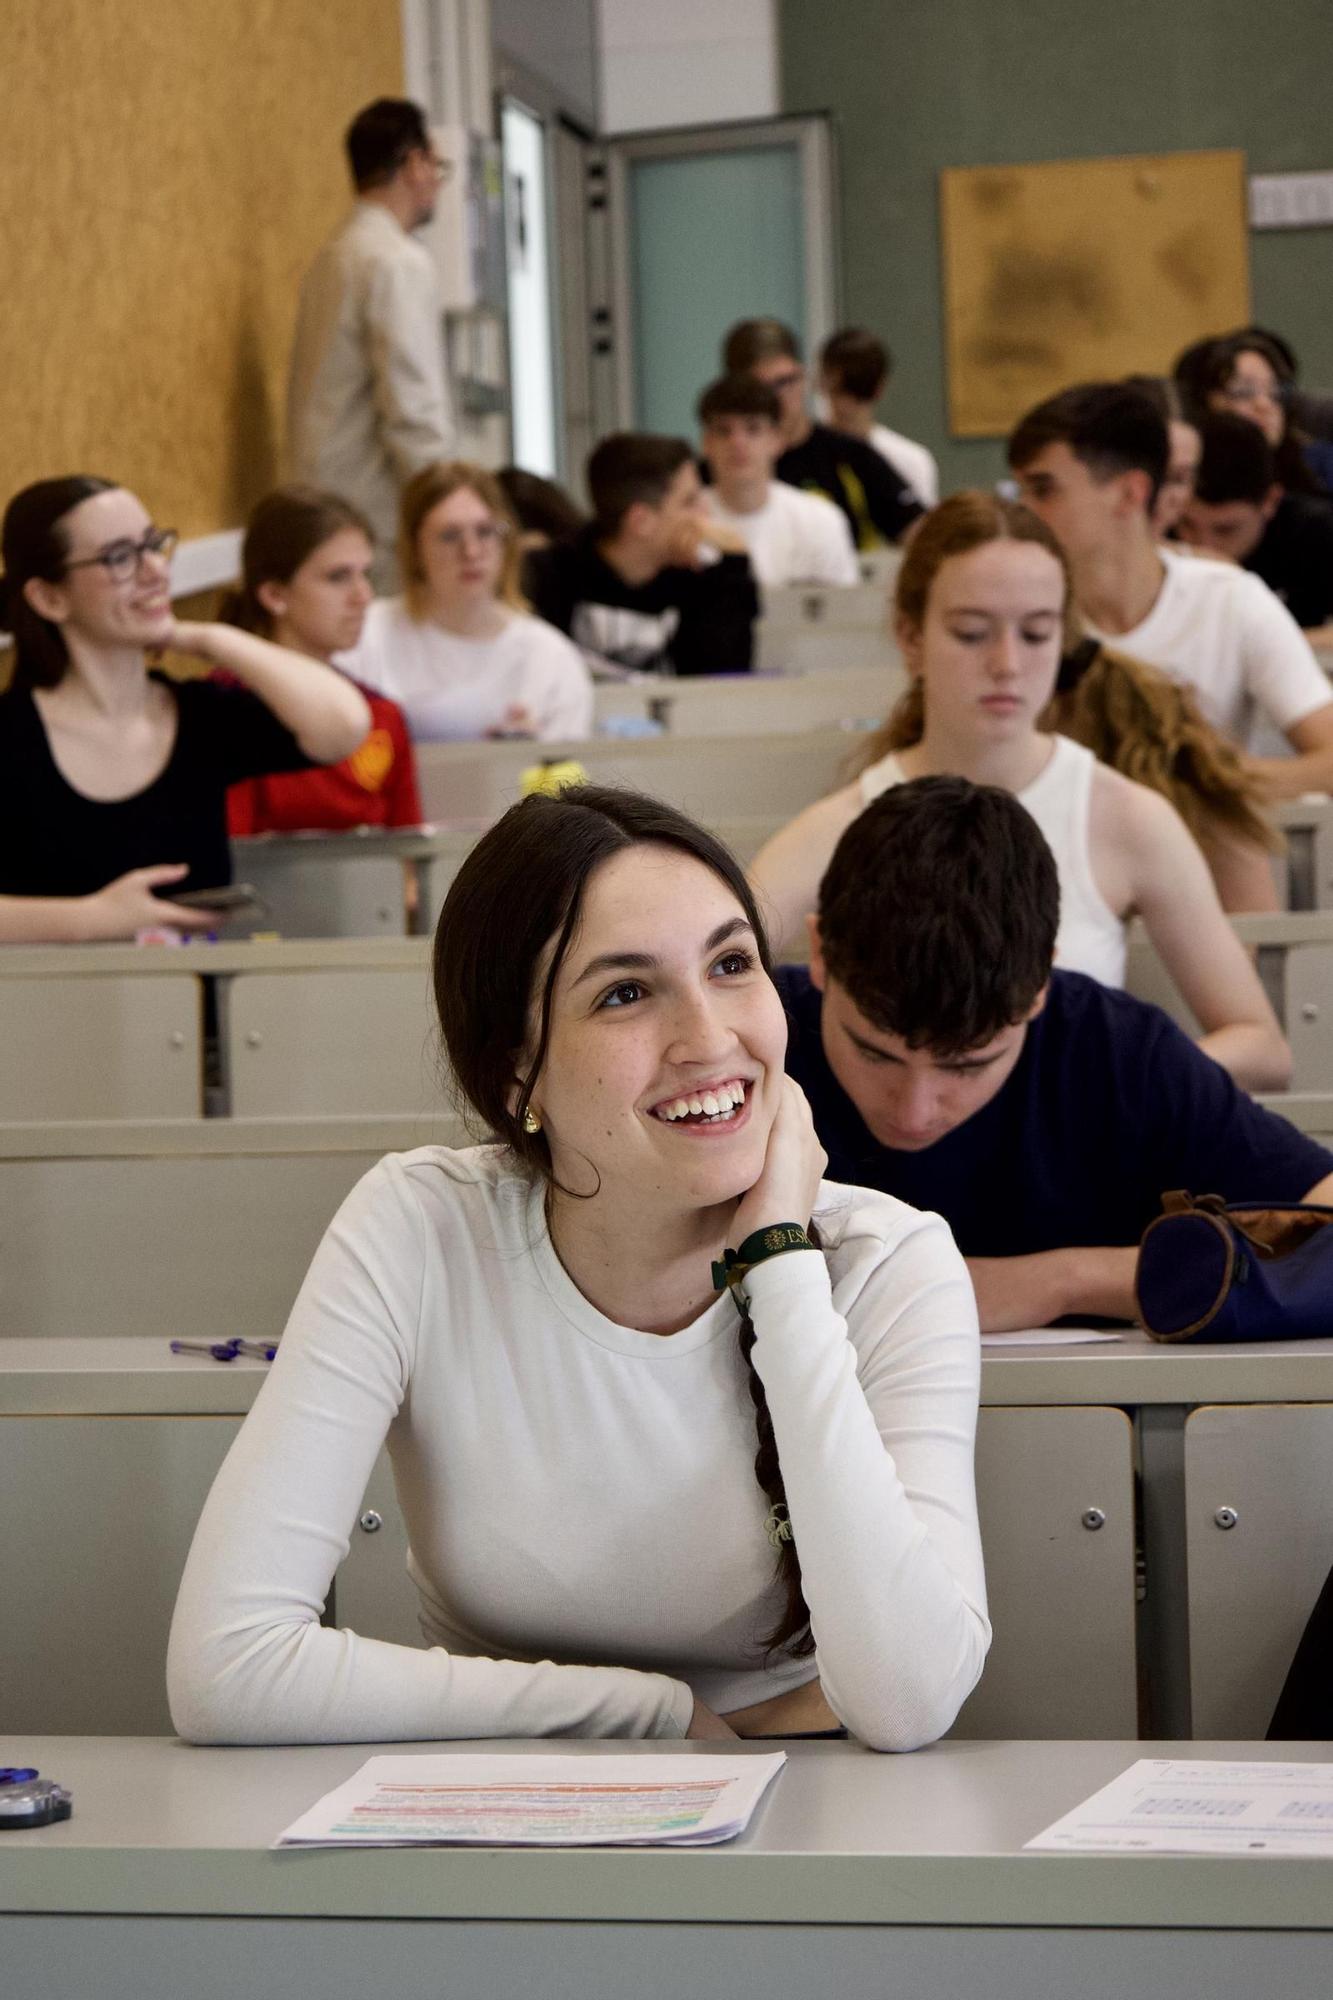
(587, 1534)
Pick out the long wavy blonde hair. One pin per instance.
(1127, 713)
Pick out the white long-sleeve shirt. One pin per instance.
(586, 1531)
(368, 401)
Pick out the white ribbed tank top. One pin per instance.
(1091, 937)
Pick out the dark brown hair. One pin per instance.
(34, 544)
(632, 466)
(519, 894)
(1205, 370)
(382, 137)
(285, 529)
(938, 913)
(857, 362)
(1109, 428)
(739, 396)
(754, 340)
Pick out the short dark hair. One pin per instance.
(857, 361)
(1162, 393)
(34, 543)
(752, 340)
(632, 466)
(541, 507)
(1236, 462)
(739, 396)
(1109, 428)
(938, 913)
(380, 138)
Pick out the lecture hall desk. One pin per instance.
(863, 1876)
(120, 1431)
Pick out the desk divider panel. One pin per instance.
(99, 1514)
(333, 1042)
(709, 777)
(101, 1047)
(1055, 1498)
(1259, 1525)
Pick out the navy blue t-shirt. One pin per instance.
(1108, 1107)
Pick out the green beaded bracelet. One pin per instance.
(762, 1244)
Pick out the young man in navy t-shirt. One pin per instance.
(1042, 1114)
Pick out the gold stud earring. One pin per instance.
(531, 1122)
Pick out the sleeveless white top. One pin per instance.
(1091, 937)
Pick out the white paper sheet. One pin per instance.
(686, 1801)
(1161, 1806)
(1051, 1336)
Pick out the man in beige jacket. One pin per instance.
(368, 403)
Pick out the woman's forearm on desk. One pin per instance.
(875, 1431)
(1018, 1292)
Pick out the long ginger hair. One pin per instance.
(1127, 713)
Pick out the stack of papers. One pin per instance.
(1164, 1806)
(689, 1801)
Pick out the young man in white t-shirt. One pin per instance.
(854, 369)
(792, 536)
(1089, 462)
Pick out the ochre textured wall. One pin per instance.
(169, 168)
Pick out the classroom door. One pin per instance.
(705, 227)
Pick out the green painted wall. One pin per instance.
(917, 85)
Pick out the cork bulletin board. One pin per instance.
(169, 169)
(1084, 270)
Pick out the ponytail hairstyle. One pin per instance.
(517, 898)
(33, 543)
(285, 529)
(1132, 717)
(965, 521)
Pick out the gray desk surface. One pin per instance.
(83, 961)
(120, 1376)
(843, 1837)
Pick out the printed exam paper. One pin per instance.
(538, 1802)
(1164, 1806)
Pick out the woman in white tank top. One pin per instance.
(982, 612)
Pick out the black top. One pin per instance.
(1108, 1107)
(55, 841)
(878, 505)
(1295, 557)
(686, 621)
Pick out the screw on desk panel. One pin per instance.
(1093, 1518)
(176, 1039)
(371, 1522)
(1309, 1011)
(253, 1039)
(1226, 1517)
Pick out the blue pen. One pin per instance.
(264, 1349)
(221, 1350)
(17, 1774)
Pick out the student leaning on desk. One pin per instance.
(641, 1501)
(947, 1061)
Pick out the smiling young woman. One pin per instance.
(983, 617)
(638, 1504)
(113, 778)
